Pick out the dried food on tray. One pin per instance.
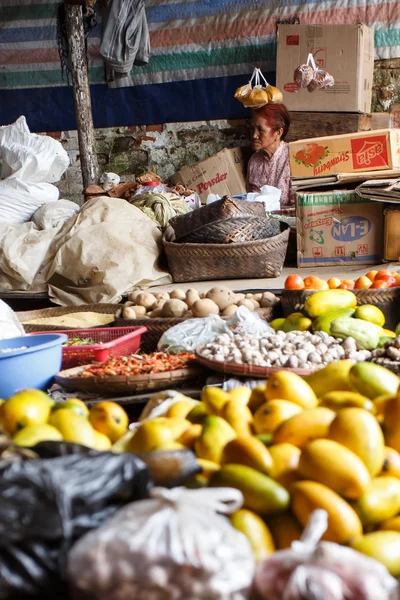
(145, 364)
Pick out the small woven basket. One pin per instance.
(388, 300)
(205, 262)
(233, 231)
(26, 316)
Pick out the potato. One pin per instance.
(238, 297)
(178, 294)
(202, 295)
(249, 296)
(140, 311)
(133, 295)
(129, 303)
(163, 296)
(158, 304)
(191, 297)
(145, 299)
(203, 308)
(222, 296)
(156, 314)
(174, 309)
(129, 313)
(268, 299)
(257, 297)
(256, 304)
(247, 303)
(229, 311)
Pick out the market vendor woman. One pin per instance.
(269, 165)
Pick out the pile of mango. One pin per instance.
(336, 313)
(330, 440)
(31, 416)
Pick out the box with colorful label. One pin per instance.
(338, 227)
(220, 174)
(348, 153)
(345, 51)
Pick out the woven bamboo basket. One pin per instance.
(233, 231)
(248, 260)
(26, 316)
(227, 208)
(388, 300)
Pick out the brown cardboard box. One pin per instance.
(220, 174)
(391, 246)
(345, 51)
(338, 227)
(350, 153)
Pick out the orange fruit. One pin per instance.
(362, 283)
(311, 282)
(379, 284)
(294, 282)
(371, 275)
(321, 285)
(381, 273)
(334, 283)
(391, 281)
(347, 284)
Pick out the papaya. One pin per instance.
(335, 466)
(346, 399)
(392, 524)
(391, 423)
(372, 380)
(271, 414)
(261, 494)
(365, 333)
(333, 377)
(323, 323)
(380, 501)
(343, 522)
(285, 385)
(247, 451)
(391, 463)
(383, 546)
(308, 425)
(328, 301)
(360, 432)
(256, 531)
(285, 529)
(238, 416)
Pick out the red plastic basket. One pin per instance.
(110, 341)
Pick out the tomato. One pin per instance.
(294, 282)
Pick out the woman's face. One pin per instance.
(262, 136)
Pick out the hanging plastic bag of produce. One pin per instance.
(173, 545)
(311, 569)
(258, 92)
(312, 77)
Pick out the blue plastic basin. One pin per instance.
(33, 367)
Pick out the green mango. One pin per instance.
(373, 380)
(323, 323)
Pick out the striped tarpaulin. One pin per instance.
(199, 47)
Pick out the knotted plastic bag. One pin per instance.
(172, 546)
(258, 92)
(314, 570)
(312, 77)
(187, 336)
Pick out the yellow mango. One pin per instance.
(285, 385)
(328, 301)
(271, 414)
(380, 405)
(380, 501)
(256, 531)
(308, 425)
(247, 451)
(190, 435)
(373, 380)
(198, 414)
(238, 416)
(208, 467)
(257, 397)
(216, 433)
(241, 394)
(214, 400)
(335, 466)
(391, 423)
(181, 409)
(346, 399)
(276, 324)
(343, 522)
(360, 432)
(285, 460)
(392, 524)
(391, 463)
(383, 546)
(285, 529)
(332, 378)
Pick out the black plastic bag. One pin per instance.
(49, 503)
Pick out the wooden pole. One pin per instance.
(83, 106)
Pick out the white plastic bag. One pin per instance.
(54, 214)
(190, 334)
(173, 546)
(20, 200)
(246, 322)
(10, 326)
(316, 570)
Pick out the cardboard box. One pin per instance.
(338, 227)
(220, 174)
(350, 153)
(391, 246)
(345, 51)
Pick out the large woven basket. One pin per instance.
(233, 231)
(248, 260)
(29, 315)
(227, 208)
(388, 300)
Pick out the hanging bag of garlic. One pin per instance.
(258, 92)
(312, 77)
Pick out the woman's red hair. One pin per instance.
(277, 116)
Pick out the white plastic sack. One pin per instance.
(20, 200)
(10, 326)
(54, 214)
(171, 546)
(190, 334)
(246, 322)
